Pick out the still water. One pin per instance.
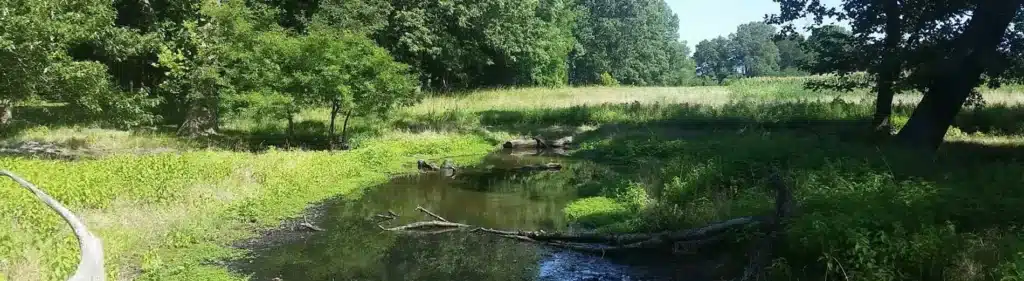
(492, 194)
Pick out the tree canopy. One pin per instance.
(636, 41)
(755, 49)
(941, 49)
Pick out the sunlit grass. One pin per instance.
(161, 215)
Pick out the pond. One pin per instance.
(492, 194)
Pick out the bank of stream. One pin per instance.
(494, 193)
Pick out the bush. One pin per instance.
(606, 79)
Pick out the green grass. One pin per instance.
(659, 158)
(161, 217)
(867, 211)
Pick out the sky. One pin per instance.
(707, 19)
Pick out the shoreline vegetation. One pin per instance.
(872, 211)
(176, 127)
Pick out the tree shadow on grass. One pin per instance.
(307, 135)
(49, 115)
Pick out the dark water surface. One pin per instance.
(492, 194)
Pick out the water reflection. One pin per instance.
(491, 195)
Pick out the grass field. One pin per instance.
(866, 211)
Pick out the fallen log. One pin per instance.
(449, 169)
(544, 167)
(537, 142)
(681, 242)
(556, 152)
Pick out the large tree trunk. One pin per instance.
(344, 131)
(6, 113)
(291, 130)
(334, 116)
(959, 74)
(889, 70)
(201, 119)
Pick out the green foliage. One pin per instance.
(751, 52)
(793, 57)
(832, 49)
(715, 59)
(755, 53)
(36, 63)
(636, 41)
(608, 80)
(191, 204)
(455, 44)
(351, 69)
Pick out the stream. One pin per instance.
(491, 194)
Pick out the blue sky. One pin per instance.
(706, 19)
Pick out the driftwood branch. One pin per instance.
(687, 241)
(425, 211)
(90, 265)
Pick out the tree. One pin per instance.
(958, 74)
(484, 43)
(714, 58)
(793, 56)
(683, 67)
(937, 42)
(196, 63)
(35, 62)
(754, 50)
(890, 67)
(832, 49)
(636, 41)
(356, 77)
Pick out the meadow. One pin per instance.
(169, 208)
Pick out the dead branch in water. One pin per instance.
(689, 241)
(449, 168)
(421, 209)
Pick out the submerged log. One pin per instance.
(537, 142)
(448, 169)
(691, 238)
(687, 241)
(544, 167)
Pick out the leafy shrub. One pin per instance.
(606, 79)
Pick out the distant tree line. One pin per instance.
(759, 49)
(189, 62)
